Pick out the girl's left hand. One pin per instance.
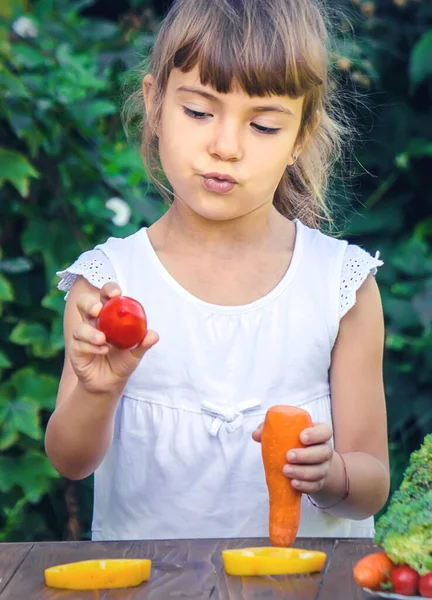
(309, 467)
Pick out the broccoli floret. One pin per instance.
(405, 530)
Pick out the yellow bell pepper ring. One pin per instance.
(99, 574)
(272, 561)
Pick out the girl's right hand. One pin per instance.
(100, 367)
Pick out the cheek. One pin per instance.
(269, 167)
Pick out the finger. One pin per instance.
(89, 307)
(84, 332)
(319, 434)
(109, 290)
(79, 349)
(310, 456)
(310, 473)
(308, 487)
(256, 435)
(150, 340)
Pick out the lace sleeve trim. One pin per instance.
(358, 264)
(94, 265)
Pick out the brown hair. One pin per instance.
(269, 47)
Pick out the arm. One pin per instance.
(79, 432)
(359, 411)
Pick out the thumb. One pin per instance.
(150, 340)
(256, 435)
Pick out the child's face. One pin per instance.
(226, 140)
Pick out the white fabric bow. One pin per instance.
(233, 416)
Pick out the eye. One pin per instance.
(269, 130)
(194, 113)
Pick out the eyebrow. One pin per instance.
(264, 108)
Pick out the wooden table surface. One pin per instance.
(182, 569)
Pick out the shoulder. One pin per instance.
(120, 245)
(341, 275)
(101, 264)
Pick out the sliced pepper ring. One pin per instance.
(272, 561)
(99, 574)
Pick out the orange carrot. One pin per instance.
(281, 431)
(373, 570)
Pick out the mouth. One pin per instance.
(219, 183)
(220, 177)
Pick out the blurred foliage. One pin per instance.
(63, 155)
(389, 57)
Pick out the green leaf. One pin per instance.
(5, 363)
(411, 258)
(26, 129)
(35, 474)
(89, 111)
(423, 305)
(419, 148)
(6, 290)
(27, 333)
(30, 58)
(34, 237)
(54, 301)
(31, 472)
(7, 481)
(16, 169)
(33, 386)
(57, 334)
(8, 436)
(34, 335)
(381, 218)
(12, 85)
(420, 66)
(401, 312)
(100, 30)
(23, 417)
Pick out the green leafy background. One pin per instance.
(63, 155)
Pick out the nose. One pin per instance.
(226, 143)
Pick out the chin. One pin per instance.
(216, 211)
(214, 207)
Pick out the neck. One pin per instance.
(182, 226)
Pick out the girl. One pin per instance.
(250, 304)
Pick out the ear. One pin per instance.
(147, 87)
(302, 140)
(148, 94)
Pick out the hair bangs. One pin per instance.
(261, 63)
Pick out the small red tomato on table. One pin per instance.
(123, 321)
(425, 585)
(404, 580)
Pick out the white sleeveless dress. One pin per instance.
(182, 463)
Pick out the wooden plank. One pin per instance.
(11, 557)
(180, 569)
(294, 587)
(189, 569)
(338, 583)
(29, 581)
(179, 566)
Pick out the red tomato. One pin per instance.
(404, 581)
(425, 585)
(123, 321)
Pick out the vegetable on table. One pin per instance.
(404, 581)
(99, 574)
(425, 585)
(272, 561)
(281, 431)
(373, 570)
(404, 531)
